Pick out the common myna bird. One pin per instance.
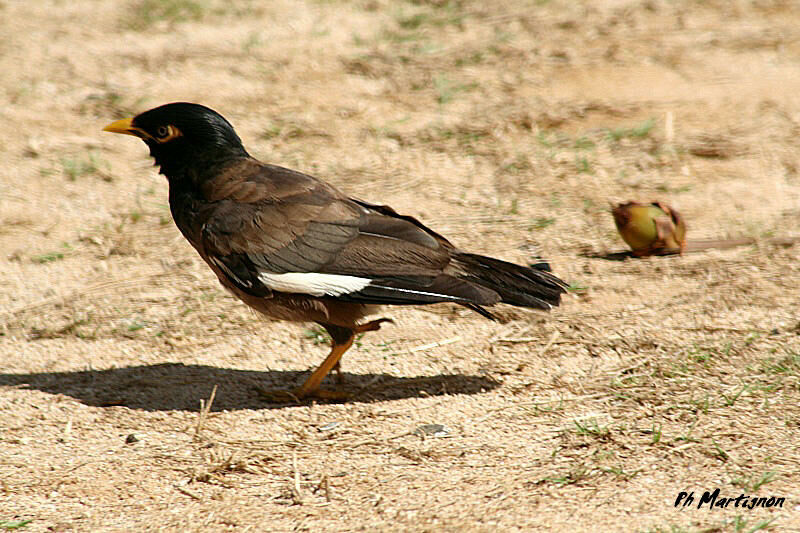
(295, 248)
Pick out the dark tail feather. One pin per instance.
(516, 285)
(481, 311)
(417, 290)
(541, 264)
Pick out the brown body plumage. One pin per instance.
(295, 248)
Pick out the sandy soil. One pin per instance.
(507, 128)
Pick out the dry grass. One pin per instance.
(129, 387)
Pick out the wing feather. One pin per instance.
(316, 241)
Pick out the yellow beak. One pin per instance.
(124, 125)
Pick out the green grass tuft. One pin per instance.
(145, 13)
(11, 525)
(75, 167)
(639, 131)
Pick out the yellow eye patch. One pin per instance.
(166, 133)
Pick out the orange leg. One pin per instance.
(341, 340)
(375, 325)
(338, 369)
(311, 386)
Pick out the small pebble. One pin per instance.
(432, 430)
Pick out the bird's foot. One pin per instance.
(296, 396)
(375, 325)
(278, 395)
(330, 394)
(338, 376)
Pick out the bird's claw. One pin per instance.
(278, 395)
(375, 325)
(297, 396)
(330, 394)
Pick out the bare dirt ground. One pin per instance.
(507, 126)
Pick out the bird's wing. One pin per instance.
(278, 230)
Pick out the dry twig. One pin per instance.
(297, 498)
(204, 410)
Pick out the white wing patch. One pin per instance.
(313, 283)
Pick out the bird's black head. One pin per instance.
(186, 140)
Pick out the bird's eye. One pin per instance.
(167, 133)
